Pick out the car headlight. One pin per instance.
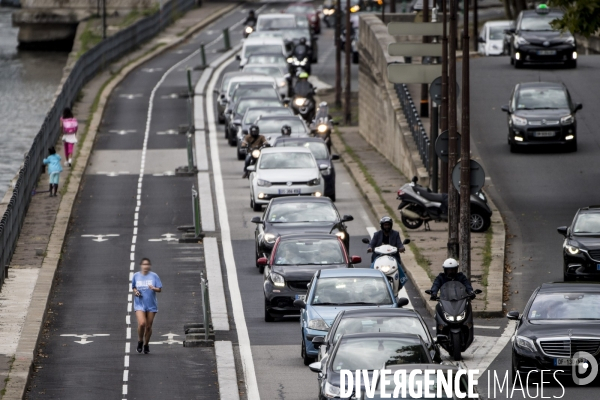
(318, 324)
(314, 182)
(269, 238)
(341, 235)
(519, 121)
(331, 391)
(525, 343)
(282, 83)
(572, 249)
(461, 316)
(277, 279)
(448, 317)
(299, 101)
(255, 153)
(322, 128)
(519, 41)
(569, 119)
(262, 182)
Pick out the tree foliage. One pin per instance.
(581, 16)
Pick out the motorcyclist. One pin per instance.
(250, 19)
(252, 141)
(386, 236)
(286, 130)
(301, 50)
(450, 274)
(303, 87)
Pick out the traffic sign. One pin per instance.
(441, 146)
(477, 176)
(413, 73)
(435, 90)
(415, 49)
(415, 29)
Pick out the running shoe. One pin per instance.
(139, 347)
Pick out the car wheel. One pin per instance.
(307, 360)
(480, 222)
(221, 119)
(232, 141)
(332, 197)
(514, 148)
(268, 317)
(573, 146)
(355, 57)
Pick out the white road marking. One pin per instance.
(126, 361)
(84, 337)
(125, 375)
(128, 333)
(124, 389)
(237, 305)
(169, 340)
(123, 131)
(207, 211)
(228, 388)
(100, 238)
(168, 132)
(167, 237)
(218, 305)
(130, 96)
(151, 69)
(170, 96)
(127, 347)
(128, 319)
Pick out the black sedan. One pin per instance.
(368, 351)
(321, 153)
(534, 40)
(270, 126)
(251, 116)
(262, 90)
(581, 248)
(238, 109)
(541, 113)
(560, 319)
(399, 320)
(293, 262)
(287, 215)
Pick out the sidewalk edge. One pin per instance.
(19, 374)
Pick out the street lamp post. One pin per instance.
(425, 87)
(338, 54)
(465, 151)
(453, 204)
(347, 50)
(444, 113)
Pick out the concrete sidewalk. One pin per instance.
(379, 181)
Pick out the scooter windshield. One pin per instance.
(453, 291)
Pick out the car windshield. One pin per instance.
(253, 115)
(368, 324)
(542, 98)
(266, 24)
(240, 85)
(259, 69)
(374, 353)
(244, 104)
(587, 224)
(309, 252)
(292, 34)
(287, 161)
(264, 91)
(351, 291)
(274, 125)
(419, 387)
(302, 212)
(561, 306)
(299, 9)
(497, 32)
(256, 34)
(259, 48)
(539, 22)
(318, 149)
(267, 59)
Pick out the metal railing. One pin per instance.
(86, 67)
(414, 122)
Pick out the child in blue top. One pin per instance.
(54, 169)
(145, 284)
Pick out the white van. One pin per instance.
(261, 45)
(275, 22)
(492, 38)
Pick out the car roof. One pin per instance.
(559, 287)
(381, 312)
(275, 16)
(301, 199)
(541, 85)
(498, 23)
(251, 77)
(267, 54)
(345, 272)
(267, 150)
(300, 140)
(263, 40)
(281, 117)
(278, 66)
(373, 335)
(309, 236)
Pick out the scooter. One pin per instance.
(386, 263)
(419, 205)
(248, 29)
(454, 318)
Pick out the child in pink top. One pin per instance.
(68, 126)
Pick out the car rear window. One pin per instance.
(274, 125)
(259, 48)
(287, 161)
(265, 24)
(302, 212)
(309, 252)
(245, 104)
(367, 324)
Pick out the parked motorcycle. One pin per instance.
(386, 263)
(420, 205)
(248, 29)
(454, 318)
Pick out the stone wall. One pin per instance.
(381, 120)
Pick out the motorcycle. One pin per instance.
(454, 318)
(300, 60)
(386, 263)
(419, 205)
(255, 153)
(322, 126)
(248, 29)
(304, 106)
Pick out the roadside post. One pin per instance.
(190, 169)
(226, 42)
(201, 334)
(453, 204)
(193, 233)
(202, 65)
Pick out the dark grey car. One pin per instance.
(251, 116)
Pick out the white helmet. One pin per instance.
(450, 265)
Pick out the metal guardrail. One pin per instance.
(88, 65)
(414, 122)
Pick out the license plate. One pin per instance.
(546, 52)
(289, 191)
(301, 297)
(567, 362)
(544, 134)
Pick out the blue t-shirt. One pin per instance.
(147, 299)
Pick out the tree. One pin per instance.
(581, 16)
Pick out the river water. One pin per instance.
(28, 82)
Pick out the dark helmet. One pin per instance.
(251, 13)
(254, 131)
(386, 220)
(303, 41)
(450, 267)
(286, 130)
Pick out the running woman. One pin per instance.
(145, 284)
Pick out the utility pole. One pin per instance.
(444, 113)
(338, 55)
(465, 152)
(424, 86)
(392, 6)
(103, 19)
(383, 11)
(453, 204)
(475, 25)
(348, 50)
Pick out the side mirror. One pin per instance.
(481, 40)
(251, 168)
(347, 218)
(355, 260)
(300, 303)
(335, 157)
(256, 220)
(406, 241)
(442, 338)
(477, 291)
(318, 341)
(323, 167)
(366, 240)
(402, 301)
(513, 315)
(262, 261)
(562, 230)
(315, 367)
(505, 108)
(428, 291)
(238, 57)
(578, 107)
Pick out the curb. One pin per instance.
(19, 374)
(417, 274)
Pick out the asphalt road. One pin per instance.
(539, 190)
